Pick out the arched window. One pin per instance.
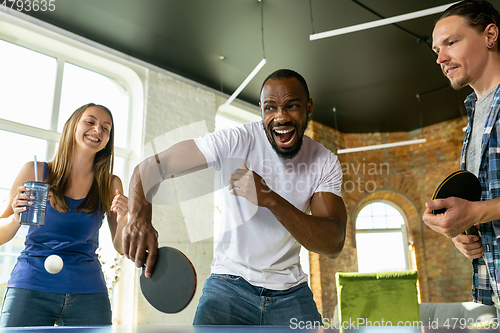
(381, 239)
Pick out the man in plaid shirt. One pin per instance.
(465, 39)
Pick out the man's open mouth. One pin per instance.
(284, 136)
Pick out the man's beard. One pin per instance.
(459, 84)
(287, 154)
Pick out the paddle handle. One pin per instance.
(472, 231)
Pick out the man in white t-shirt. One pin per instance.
(282, 191)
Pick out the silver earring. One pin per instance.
(490, 45)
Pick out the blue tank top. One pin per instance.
(73, 236)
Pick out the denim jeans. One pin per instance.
(230, 300)
(23, 307)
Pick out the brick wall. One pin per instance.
(406, 176)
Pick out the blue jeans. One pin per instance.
(230, 300)
(23, 307)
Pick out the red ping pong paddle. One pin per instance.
(173, 282)
(461, 184)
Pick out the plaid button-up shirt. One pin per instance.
(486, 270)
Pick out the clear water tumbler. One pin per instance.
(35, 214)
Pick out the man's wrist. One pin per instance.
(140, 218)
(272, 200)
(122, 220)
(486, 211)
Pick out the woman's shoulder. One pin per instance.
(28, 170)
(116, 181)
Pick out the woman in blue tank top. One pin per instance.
(82, 190)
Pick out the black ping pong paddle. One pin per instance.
(461, 184)
(173, 282)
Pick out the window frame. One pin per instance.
(51, 135)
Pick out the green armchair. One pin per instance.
(378, 299)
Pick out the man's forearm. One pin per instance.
(323, 235)
(139, 206)
(137, 199)
(139, 235)
(488, 210)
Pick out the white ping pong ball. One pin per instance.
(53, 264)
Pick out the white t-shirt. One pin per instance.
(250, 242)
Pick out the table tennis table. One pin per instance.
(226, 329)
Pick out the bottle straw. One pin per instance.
(36, 171)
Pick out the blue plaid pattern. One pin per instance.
(485, 281)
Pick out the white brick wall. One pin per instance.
(170, 104)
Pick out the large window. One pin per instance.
(381, 239)
(38, 93)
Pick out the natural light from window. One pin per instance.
(81, 86)
(381, 239)
(27, 94)
(27, 85)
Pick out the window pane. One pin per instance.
(379, 222)
(82, 86)
(378, 209)
(366, 211)
(395, 221)
(8, 254)
(119, 169)
(379, 252)
(379, 215)
(364, 222)
(384, 250)
(391, 211)
(21, 150)
(27, 85)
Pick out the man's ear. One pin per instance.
(309, 106)
(261, 113)
(491, 32)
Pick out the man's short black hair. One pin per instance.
(478, 13)
(286, 74)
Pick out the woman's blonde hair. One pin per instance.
(101, 192)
